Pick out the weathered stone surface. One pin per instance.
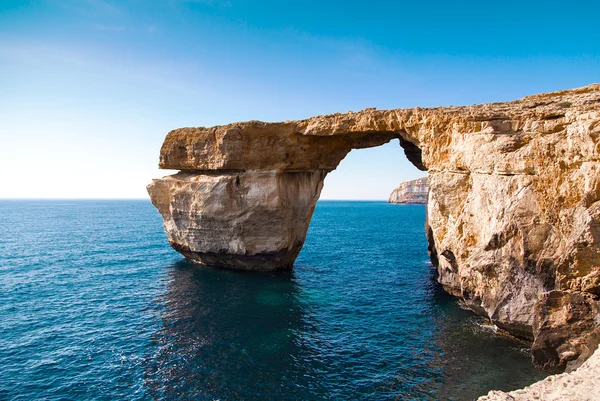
(414, 191)
(580, 385)
(244, 220)
(513, 210)
(255, 145)
(566, 327)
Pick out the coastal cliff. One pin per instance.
(415, 191)
(513, 211)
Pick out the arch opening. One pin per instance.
(246, 192)
(370, 173)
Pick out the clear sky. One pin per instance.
(89, 88)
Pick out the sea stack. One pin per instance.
(513, 211)
(411, 192)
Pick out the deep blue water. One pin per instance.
(95, 305)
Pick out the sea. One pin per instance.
(95, 305)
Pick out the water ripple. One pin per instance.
(96, 305)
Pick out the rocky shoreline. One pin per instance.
(583, 384)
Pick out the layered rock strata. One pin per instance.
(513, 209)
(411, 192)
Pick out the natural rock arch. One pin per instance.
(513, 211)
(247, 191)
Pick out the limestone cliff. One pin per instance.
(415, 191)
(513, 209)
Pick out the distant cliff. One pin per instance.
(414, 191)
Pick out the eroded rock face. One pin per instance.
(411, 192)
(566, 327)
(243, 220)
(513, 210)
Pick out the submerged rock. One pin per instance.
(415, 191)
(513, 211)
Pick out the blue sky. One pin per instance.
(89, 88)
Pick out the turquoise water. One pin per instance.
(95, 305)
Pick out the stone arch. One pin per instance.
(246, 192)
(512, 213)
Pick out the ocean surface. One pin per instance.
(95, 305)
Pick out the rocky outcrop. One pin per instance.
(254, 220)
(513, 209)
(580, 385)
(415, 191)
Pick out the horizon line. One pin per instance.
(148, 199)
